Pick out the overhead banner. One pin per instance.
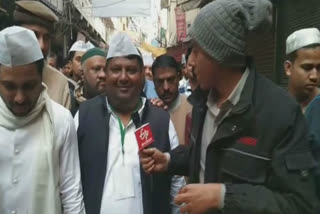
(121, 8)
(181, 24)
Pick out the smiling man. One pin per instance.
(111, 176)
(166, 77)
(39, 159)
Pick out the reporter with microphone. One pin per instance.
(248, 150)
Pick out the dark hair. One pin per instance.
(131, 57)
(71, 55)
(65, 61)
(40, 64)
(188, 54)
(165, 61)
(292, 56)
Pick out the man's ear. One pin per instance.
(287, 67)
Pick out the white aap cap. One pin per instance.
(121, 45)
(89, 45)
(18, 46)
(79, 46)
(302, 38)
(147, 60)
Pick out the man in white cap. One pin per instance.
(37, 17)
(303, 65)
(303, 70)
(75, 53)
(111, 176)
(39, 159)
(248, 148)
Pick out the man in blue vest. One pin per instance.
(112, 179)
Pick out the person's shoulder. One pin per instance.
(94, 104)
(52, 73)
(155, 109)
(60, 112)
(185, 101)
(314, 105)
(270, 92)
(97, 100)
(273, 101)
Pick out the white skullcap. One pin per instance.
(19, 46)
(89, 45)
(147, 60)
(79, 46)
(121, 45)
(302, 38)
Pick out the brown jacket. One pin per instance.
(178, 113)
(57, 84)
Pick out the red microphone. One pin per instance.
(144, 136)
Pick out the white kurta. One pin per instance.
(122, 192)
(17, 159)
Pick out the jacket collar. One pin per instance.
(247, 95)
(199, 97)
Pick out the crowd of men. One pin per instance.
(70, 140)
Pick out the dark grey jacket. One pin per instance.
(260, 151)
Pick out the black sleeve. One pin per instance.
(290, 187)
(179, 160)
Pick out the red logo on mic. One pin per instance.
(144, 136)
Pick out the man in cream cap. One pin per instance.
(37, 17)
(111, 176)
(248, 148)
(303, 70)
(39, 160)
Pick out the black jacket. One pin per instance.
(93, 137)
(260, 151)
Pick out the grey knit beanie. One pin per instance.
(221, 28)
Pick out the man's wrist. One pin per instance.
(168, 158)
(222, 196)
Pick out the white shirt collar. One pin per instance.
(143, 100)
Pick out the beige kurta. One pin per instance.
(58, 88)
(178, 113)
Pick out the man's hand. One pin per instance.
(199, 198)
(159, 103)
(154, 161)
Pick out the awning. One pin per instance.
(154, 50)
(192, 4)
